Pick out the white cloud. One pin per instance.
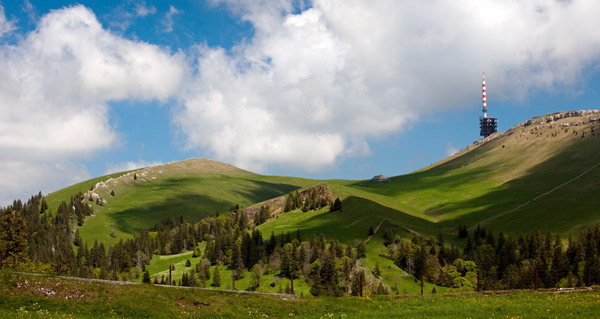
(128, 166)
(311, 86)
(450, 149)
(55, 86)
(6, 26)
(124, 15)
(169, 17)
(142, 9)
(21, 179)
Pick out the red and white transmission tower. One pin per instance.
(484, 100)
(487, 125)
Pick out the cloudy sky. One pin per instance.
(321, 89)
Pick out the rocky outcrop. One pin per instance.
(561, 115)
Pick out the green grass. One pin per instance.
(496, 177)
(75, 299)
(194, 188)
(468, 188)
(53, 199)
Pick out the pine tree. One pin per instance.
(13, 238)
(146, 278)
(376, 270)
(337, 205)
(216, 278)
(326, 282)
(43, 206)
(356, 281)
(361, 250)
(77, 238)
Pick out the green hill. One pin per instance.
(193, 188)
(541, 173)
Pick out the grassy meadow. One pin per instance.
(26, 296)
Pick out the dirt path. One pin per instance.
(374, 231)
(536, 198)
(114, 282)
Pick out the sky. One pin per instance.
(318, 89)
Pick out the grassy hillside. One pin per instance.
(498, 181)
(493, 182)
(194, 188)
(24, 296)
(540, 175)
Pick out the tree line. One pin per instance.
(35, 239)
(500, 261)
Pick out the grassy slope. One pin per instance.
(500, 175)
(468, 188)
(194, 188)
(75, 299)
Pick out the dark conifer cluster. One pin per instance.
(501, 262)
(43, 241)
(306, 201)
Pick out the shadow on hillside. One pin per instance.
(357, 215)
(569, 207)
(140, 218)
(195, 206)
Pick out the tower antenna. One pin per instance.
(487, 125)
(484, 98)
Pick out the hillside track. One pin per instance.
(483, 222)
(374, 231)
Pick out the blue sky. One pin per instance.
(319, 89)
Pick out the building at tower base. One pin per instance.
(488, 126)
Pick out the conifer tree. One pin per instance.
(376, 270)
(361, 250)
(146, 278)
(216, 278)
(13, 238)
(356, 282)
(43, 206)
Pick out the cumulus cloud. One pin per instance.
(56, 83)
(128, 166)
(315, 85)
(5, 25)
(21, 179)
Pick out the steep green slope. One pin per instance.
(539, 175)
(194, 188)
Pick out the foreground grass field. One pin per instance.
(25, 296)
